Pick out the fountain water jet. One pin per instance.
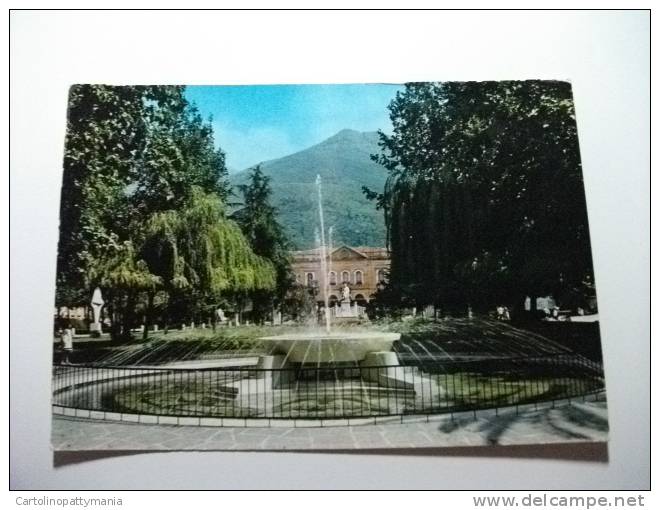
(344, 346)
(324, 261)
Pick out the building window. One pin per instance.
(333, 278)
(382, 276)
(358, 277)
(345, 277)
(310, 279)
(359, 298)
(298, 278)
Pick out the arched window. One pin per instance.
(310, 278)
(333, 278)
(358, 277)
(359, 298)
(345, 277)
(332, 300)
(382, 276)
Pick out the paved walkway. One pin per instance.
(579, 421)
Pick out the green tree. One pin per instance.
(484, 201)
(199, 253)
(123, 276)
(105, 135)
(258, 221)
(179, 155)
(143, 207)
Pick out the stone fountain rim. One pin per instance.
(344, 335)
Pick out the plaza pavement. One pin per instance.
(565, 422)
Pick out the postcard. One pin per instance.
(346, 266)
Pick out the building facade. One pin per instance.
(362, 268)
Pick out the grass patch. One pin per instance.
(469, 390)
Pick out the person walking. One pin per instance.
(67, 344)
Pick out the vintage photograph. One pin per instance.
(324, 267)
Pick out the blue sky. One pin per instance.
(255, 123)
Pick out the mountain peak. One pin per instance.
(347, 132)
(360, 140)
(345, 165)
(351, 135)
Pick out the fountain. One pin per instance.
(334, 347)
(327, 346)
(323, 374)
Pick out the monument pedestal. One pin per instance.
(345, 312)
(95, 329)
(345, 309)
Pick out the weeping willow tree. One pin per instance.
(484, 201)
(124, 276)
(201, 256)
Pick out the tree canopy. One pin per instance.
(485, 200)
(143, 205)
(106, 131)
(198, 246)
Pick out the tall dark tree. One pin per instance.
(106, 133)
(258, 221)
(485, 200)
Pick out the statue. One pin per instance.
(97, 303)
(346, 293)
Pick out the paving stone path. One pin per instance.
(576, 421)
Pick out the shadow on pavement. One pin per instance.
(585, 452)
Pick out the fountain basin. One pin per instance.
(342, 346)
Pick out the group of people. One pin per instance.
(550, 312)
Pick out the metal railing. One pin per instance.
(325, 392)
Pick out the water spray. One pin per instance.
(324, 262)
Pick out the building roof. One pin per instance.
(369, 252)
